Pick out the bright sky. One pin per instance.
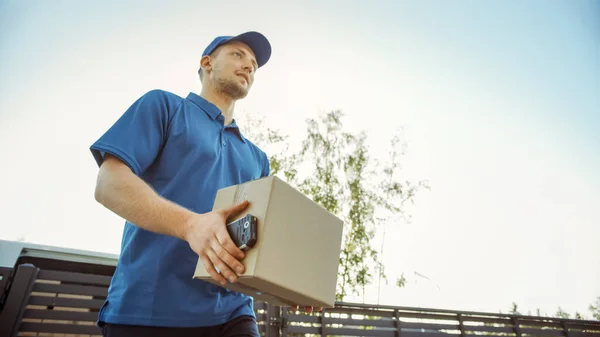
(500, 101)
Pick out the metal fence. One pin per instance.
(40, 298)
(363, 320)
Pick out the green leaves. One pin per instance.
(401, 281)
(594, 309)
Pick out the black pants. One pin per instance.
(242, 326)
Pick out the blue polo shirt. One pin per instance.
(180, 147)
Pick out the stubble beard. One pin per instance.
(231, 89)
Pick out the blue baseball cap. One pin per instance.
(255, 40)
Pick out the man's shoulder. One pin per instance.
(261, 156)
(162, 95)
(159, 101)
(255, 146)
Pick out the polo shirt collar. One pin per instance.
(213, 112)
(236, 129)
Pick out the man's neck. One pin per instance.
(225, 104)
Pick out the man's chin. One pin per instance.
(234, 91)
(243, 89)
(239, 94)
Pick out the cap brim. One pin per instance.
(259, 45)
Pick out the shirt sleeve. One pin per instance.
(139, 134)
(266, 167)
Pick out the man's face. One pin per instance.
(232, 69)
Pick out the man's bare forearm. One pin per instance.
(128, 196)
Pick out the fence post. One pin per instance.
(461, 325)
(284, 320)
(323, 323)
(516, 326)
(566, 328)
(273, 321)
(267, 321)
(17, 299)
(398, 323)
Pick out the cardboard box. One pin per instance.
(296, 257)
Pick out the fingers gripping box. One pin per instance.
(295, 259)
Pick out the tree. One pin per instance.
(560, 313)
(595, 309)
(335, 169)
(514, 309)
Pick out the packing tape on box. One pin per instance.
(241, 193)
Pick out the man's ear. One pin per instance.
(206, 63)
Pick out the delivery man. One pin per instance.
(161, 164)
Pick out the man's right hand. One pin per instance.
(207, 236)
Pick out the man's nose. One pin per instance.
(248, 66)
